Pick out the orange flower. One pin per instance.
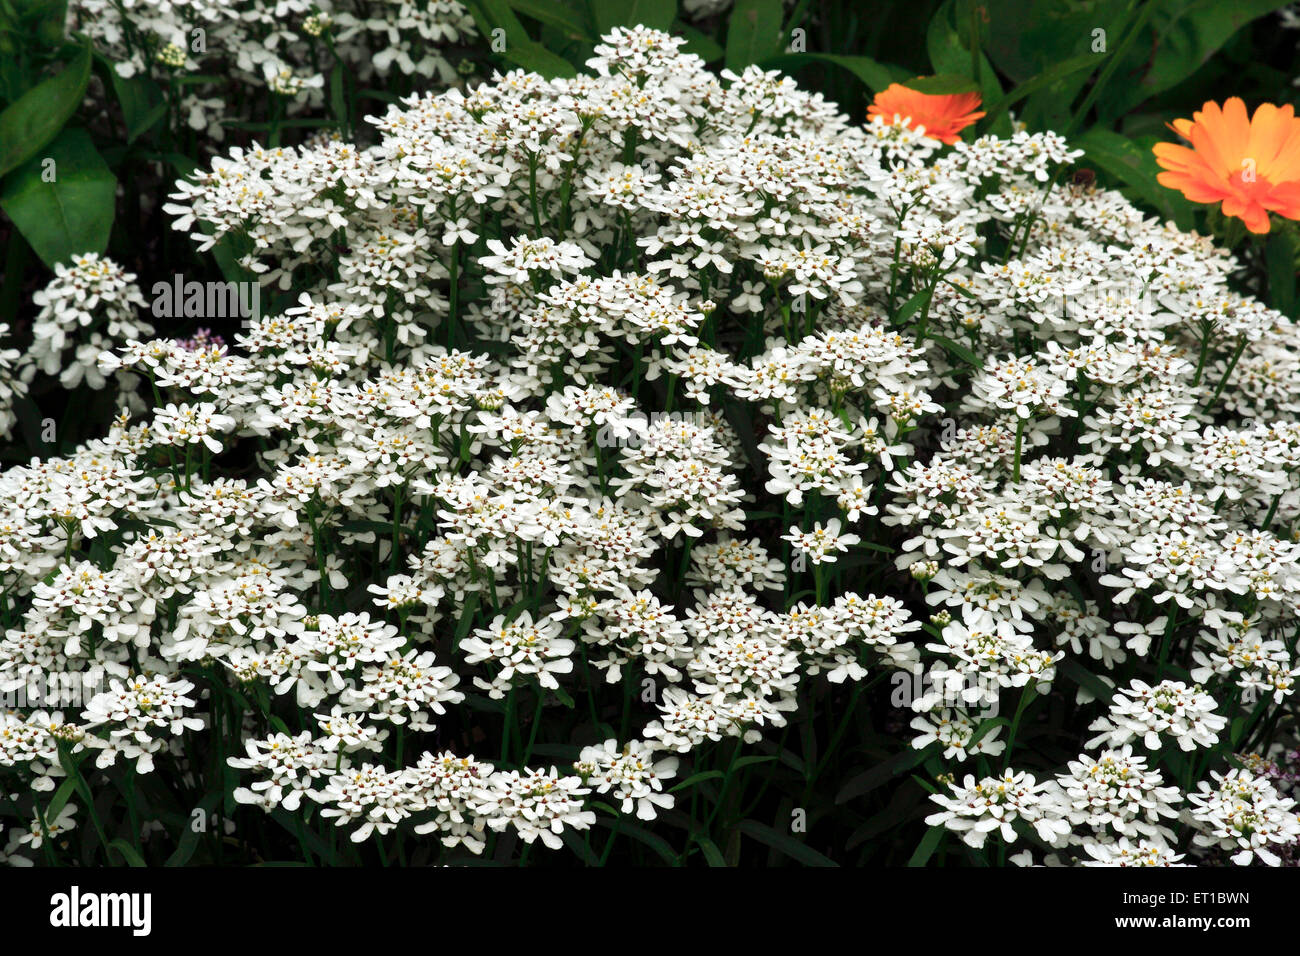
(942, 116)
(1251, 165)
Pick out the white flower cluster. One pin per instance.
(927, 371)
(91, 303)
(288, 47)
(1183, 714)
(12, 386)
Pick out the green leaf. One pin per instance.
(128, 852)
(881, 773)
(945, 84)
(466, 617)
(190, 837)
(1179, 38)
(875, 76)
(338, 100)
(1280, 256)
(36, 117)
(555, 14)
(925, 849)
(1236, 731)
(754, 33)
(1026, 37)
(906, 805)
(642, 835)
(1054, 74)
(947, 52)
(657, 14)
(695, 778)
(292, 824)
(1094, 685)
(520, 48)
(785, 843)
(961, 289)
(949, 37)
(958, 351)
(537, 59)
(936, 769)
(912, 306)
(698, 43)
(139, 97)
(710, 849)
(74, 213)
(60, 799)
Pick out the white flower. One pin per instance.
(1244, 814)
(822, 542)
(995, 804)
(633, 775)
(1170, 708)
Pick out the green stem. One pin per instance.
(1020, 434)
(1227, 373)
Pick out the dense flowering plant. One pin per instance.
(283, 53)
(613, 431)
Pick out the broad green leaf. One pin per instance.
(537, 59)
(698, 43)
(139, 98)
(658, 14)
(1023, 38)
(36, 117)
(555, 14)
(754, 33)
(1280, 255)
(520, 48)
(74, 213)
(466, 619)
(1054, 74)
(875, 76)
(912, 306)
(944, 84)
(1178, 40)
(948, 54)
(952, 31)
